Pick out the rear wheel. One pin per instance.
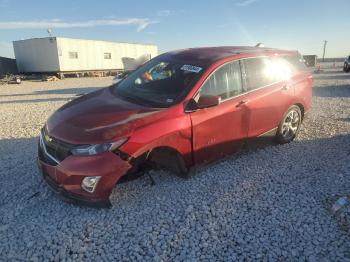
(289, 126)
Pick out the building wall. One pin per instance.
(91, 54)
(7, 66)
(36, 55)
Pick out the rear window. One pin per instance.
(264, 71)
(256, 73)
(297, 61)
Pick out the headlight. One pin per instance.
(89, 183)
(90, 150)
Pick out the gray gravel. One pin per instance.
(273, 203)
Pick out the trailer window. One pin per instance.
(107, 55)
(73, 55)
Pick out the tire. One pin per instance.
(169, 159)
(289, 126)
(346, 68)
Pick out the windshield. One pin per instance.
(161, 82)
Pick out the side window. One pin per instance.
(278, 69)
(73, 55)
(256, 73)
(225, 82)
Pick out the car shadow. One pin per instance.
(346, 119)
(67, 91)
(24, 183)
(73, 92)
(328, 72)
(34, 100)
(61, 91)
(251, 190)
(331, 76)
(313, 153)
(18, 168)
(332, 71)
(332, 91)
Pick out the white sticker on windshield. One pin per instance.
(170, 100)
(191, 68)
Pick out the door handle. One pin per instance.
(240, 103)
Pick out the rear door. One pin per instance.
(220, 130)
(270, 93)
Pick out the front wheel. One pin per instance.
(289, 126)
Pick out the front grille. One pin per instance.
(44, 157)
(56, 149)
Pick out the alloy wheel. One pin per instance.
(290, 125)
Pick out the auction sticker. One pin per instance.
(191, 68)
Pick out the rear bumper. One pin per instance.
(65, 178)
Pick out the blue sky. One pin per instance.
(298, 24)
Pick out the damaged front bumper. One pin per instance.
(65, 177)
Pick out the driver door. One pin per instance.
(220, 130)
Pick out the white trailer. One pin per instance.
(68, 55)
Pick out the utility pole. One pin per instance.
(324, 49)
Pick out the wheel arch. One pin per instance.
(166, 157)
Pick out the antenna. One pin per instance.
(259, 45)
(49, 31)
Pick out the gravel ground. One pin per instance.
(273, 203)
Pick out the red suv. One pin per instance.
(178, 110)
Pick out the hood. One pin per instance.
(98, 117)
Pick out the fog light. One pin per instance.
(89, 183)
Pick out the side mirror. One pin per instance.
(208, 101)
(204, 101)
